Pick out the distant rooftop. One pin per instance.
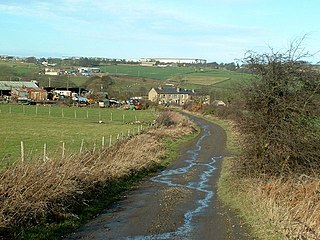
(9, 85)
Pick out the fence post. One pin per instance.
(81, 146)
(44, 152)
(123, 118)
(75, 114)
(102, 141)
(22, 151)
(49, 111)
(111, 117)
(110, 141)
(87, 114)
(63, 149)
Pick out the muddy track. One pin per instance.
(178, 203)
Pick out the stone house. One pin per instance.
(177, 96)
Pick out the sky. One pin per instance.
(215, 30)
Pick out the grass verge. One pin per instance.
(272, 208)
(44, 200)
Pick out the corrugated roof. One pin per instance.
(8, 85)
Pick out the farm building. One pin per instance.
(175, 60)
(7, 86)
(35, 94)
(179, 96)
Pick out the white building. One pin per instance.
(175, 60)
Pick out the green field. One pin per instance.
(16, 70)
(147, 72)
(55, 126)
(134, 80)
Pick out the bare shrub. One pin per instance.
(281, 112)
(170, 118)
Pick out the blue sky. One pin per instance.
(215, 30)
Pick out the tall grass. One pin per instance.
(40, 193)
(273, 208)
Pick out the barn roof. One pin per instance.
(9, 85)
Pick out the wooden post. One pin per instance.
(111, 117)
(102, 141)
(49, 111)
(22, 151)
(63, 149)
(81, 147)
(87, 114)
(44, 152)
(75, 114)
(128, 132)
(110, 141)
(94, 148)
(123, 118)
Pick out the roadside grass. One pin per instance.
(240, 194)
(71, 127)
(114, 191)
(272, 209)
(47, 199)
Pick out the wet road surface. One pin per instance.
(178, 203)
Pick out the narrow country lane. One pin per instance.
(179, 203)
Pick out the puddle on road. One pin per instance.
(170, 177)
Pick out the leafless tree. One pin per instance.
(281, 121)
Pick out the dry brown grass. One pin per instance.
(39, 192)
(275, 207)
(293, 205)
(278, 209)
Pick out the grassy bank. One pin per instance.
(273, 208)
(43, 200)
